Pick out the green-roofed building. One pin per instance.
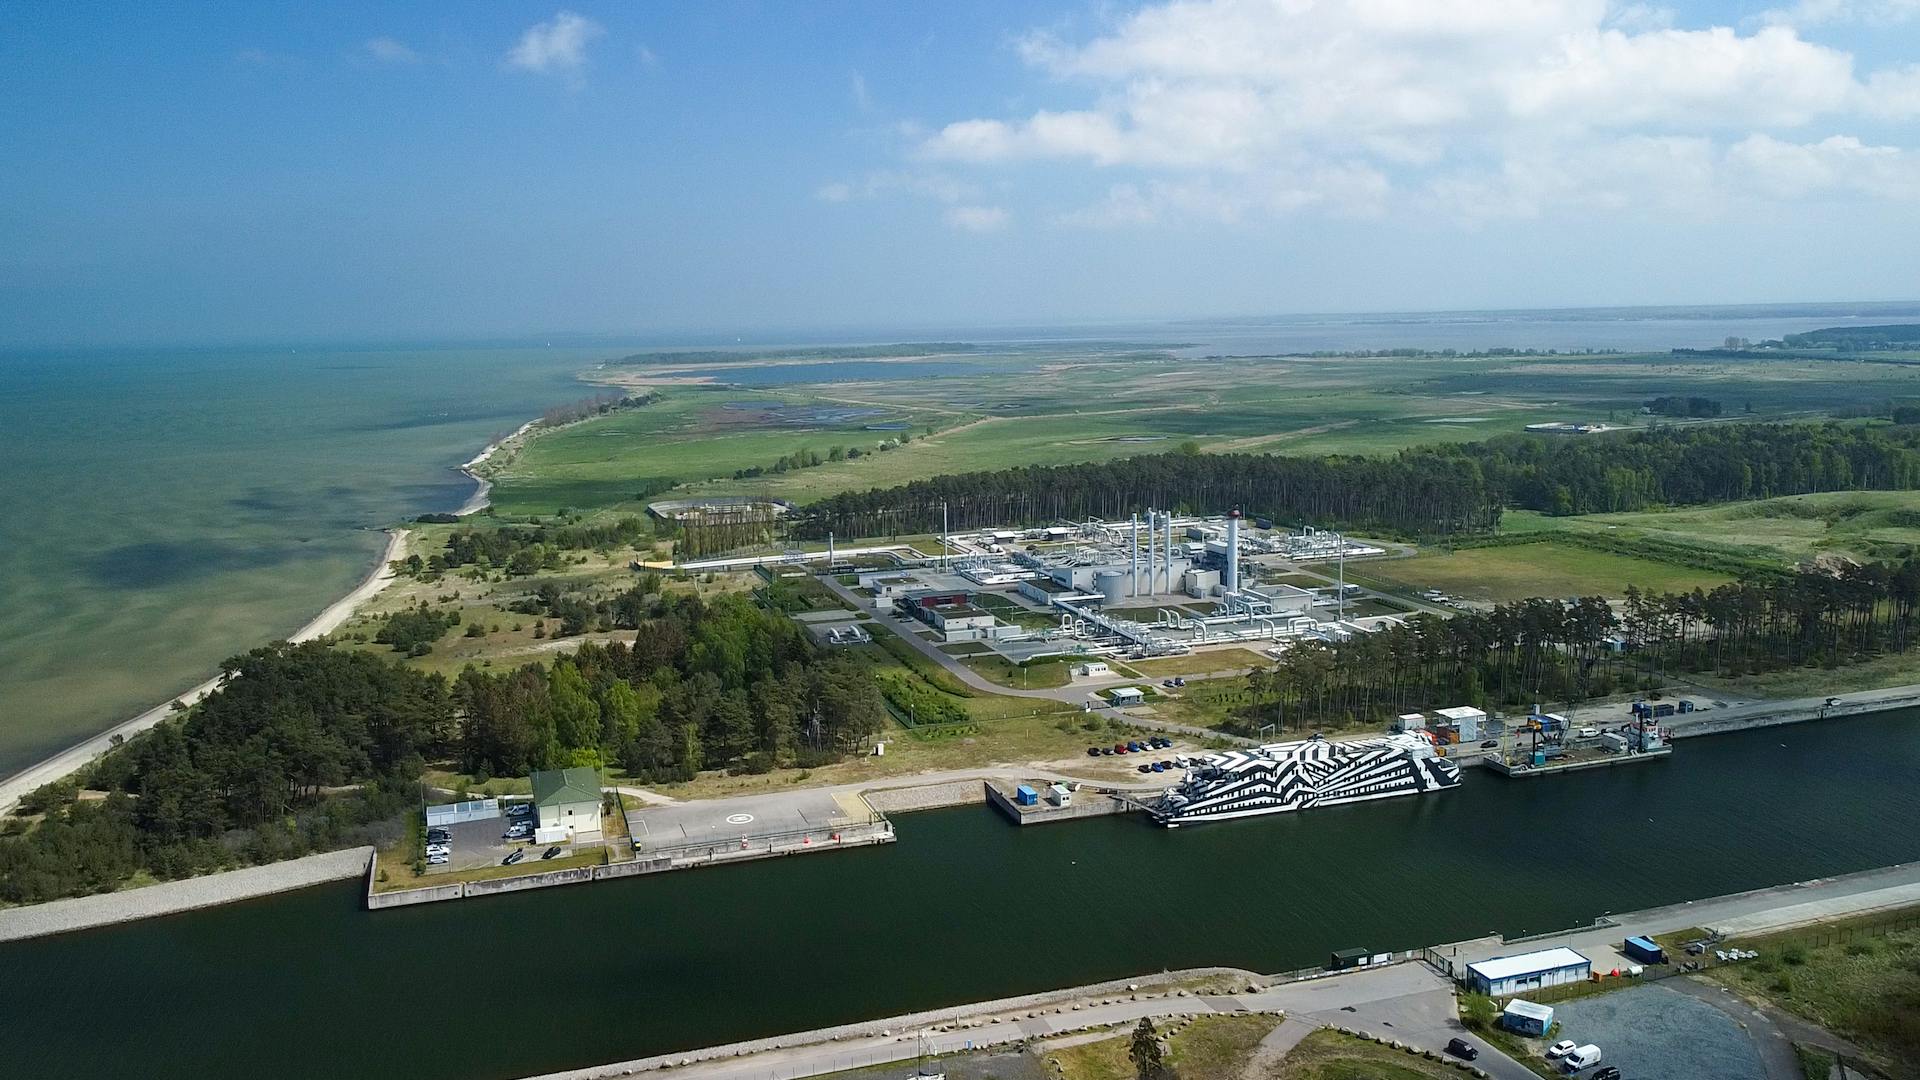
(568, 799)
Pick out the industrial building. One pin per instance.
(568, 802)
(1505, 976)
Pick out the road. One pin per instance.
(1075, 693)
(1407, 1001)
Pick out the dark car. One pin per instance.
(1606, 1073)
(514, 858)
(1106, 751)
(1490, 744)
(1143, 768)
(1179, 681)
(1462, 1049)
(1093, 751)
(1159, 766)
(549, 853)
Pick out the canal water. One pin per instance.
(964, 907)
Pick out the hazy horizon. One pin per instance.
(244, 175)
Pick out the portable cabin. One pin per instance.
(1526, 1018)
(1026, 796)
(1506, 975)
(1059, 795)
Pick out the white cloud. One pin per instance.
(558, 45)
(1820, 12)
(389, 51)
(862, 100)
(979, 219)
(1221, 108)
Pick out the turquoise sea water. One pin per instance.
(162, 510)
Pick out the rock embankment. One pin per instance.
(169, 897)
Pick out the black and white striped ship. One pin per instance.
(1279, 777)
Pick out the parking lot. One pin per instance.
(1653, 1033)
(476, 844)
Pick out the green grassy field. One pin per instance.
(1859, 524)
(1859, 979)
(1329, 1055)
(1518, 571)
(1041, 405)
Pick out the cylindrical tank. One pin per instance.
(1112, 587)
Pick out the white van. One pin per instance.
(1588, 733)
(1582, 1057)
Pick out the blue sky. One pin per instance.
(266, 172)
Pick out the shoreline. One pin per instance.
(82, 754)
(479, 501)
(76, 757)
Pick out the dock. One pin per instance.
(1084, 803)
(1496, 763)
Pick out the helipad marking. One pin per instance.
(739, 819)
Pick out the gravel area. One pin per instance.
(1651, 1032)
(168, 897)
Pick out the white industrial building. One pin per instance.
(1505, 976)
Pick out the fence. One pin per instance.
(454, 813)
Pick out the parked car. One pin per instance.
(1159, 766)
(1106, 751)
(1607, 1073)
(1560, 1049)
(550, 853)
(514, 858)
(1143, 768)
(1490, 744)
(1168, 683)
(1179, 681)
(1119, 748)
(1093, 751)
(438, 860)
(1462, 1049)
(438, 833)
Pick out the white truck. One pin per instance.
(1582, 1057)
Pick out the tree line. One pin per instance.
(1541, 651)
(239, 778)
(704, 685)
(1423, 491)
(307, 747)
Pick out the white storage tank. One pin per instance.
(1112, 587)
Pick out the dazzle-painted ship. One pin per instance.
(1279, 777)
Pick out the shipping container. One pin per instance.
(1026, 796)
(1347, 958)
(1644, 950)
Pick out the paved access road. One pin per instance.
(1407, 1001)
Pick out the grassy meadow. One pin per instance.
(1036, 407)
(1519, 571)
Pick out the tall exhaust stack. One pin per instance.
(1134, 550)
(829, 551)
(1233, 552)
(1151, 580)
(1169, 551)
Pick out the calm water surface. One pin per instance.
(963, 907)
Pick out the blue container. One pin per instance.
(1026, 796)
(1644, 950)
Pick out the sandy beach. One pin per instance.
(71, 760)
(477, 501)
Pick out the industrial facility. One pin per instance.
(1154, 585)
